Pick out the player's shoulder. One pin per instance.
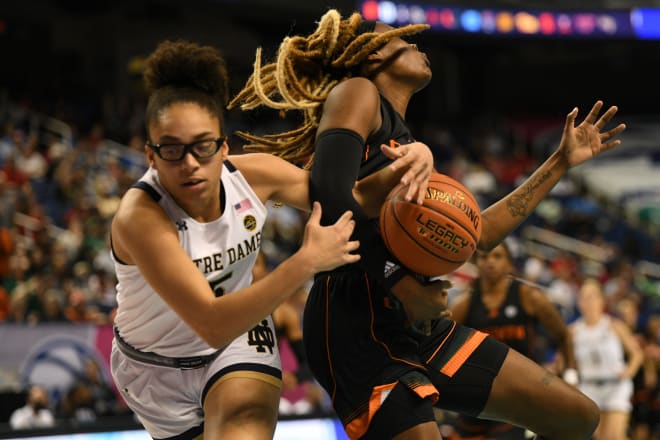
(532, 299)
(253, 162)
(355, 90)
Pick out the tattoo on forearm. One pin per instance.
(518, 203)
(548, 378)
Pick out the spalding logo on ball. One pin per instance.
(437, 237)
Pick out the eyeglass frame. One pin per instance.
(187, 148)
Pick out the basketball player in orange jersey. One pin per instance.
(370, 329)
(508, 310)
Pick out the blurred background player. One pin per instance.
(608, 357)
(510, 311)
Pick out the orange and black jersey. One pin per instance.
(508, 323)
(357, 337)
(393, 132)
(341, 158)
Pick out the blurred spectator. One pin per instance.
(106, 402)
(282, 232)
(4, 304)
(620, 282)
(36, 412)
(536, 271)
(608, 357)
(78, 310)
(14, 176)
(7, 203)
(78, 404)
(13, 139)
(29, 159)
(90, 397)
(562, 290)
(52, 307)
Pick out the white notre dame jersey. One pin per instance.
(598, 350)
(224, 250)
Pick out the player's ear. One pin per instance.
(372, 63)
(375, 57)
(149, 153)
(224, 149)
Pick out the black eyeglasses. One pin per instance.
(200, 149)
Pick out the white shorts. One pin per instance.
(169, 401)
(610, 396)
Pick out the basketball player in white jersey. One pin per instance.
(608, 357)
(194, 350)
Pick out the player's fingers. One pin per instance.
(610, 145)
(412, 191)
(404, 161)
(392, 153)
(606, 117)
(315, 217)
(421, 193)
(348, 229)
(611, 133)
(350, 257)
(412, 174)
(570, 120)
(345, 218)
(593, 113)
(352, 246)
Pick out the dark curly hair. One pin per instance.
(182, 71)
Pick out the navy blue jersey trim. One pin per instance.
(148, 189)
(245, 366)
(230, 166)
(112, 249)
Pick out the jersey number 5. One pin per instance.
(216, 287)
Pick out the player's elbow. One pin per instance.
(486, 243)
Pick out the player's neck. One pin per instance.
(396, 96)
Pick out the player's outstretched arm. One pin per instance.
(578, 144)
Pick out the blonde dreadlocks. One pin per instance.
(301, 77)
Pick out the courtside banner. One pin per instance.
(52, 355)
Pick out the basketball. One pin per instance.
(437, 237)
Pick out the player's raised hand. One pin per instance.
(588, 139)
(417, 161)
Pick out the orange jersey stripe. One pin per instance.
(427, 390)
(449, 333)
(358, 427)
(459, 358)
(327, 342)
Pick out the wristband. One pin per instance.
(570, 376)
